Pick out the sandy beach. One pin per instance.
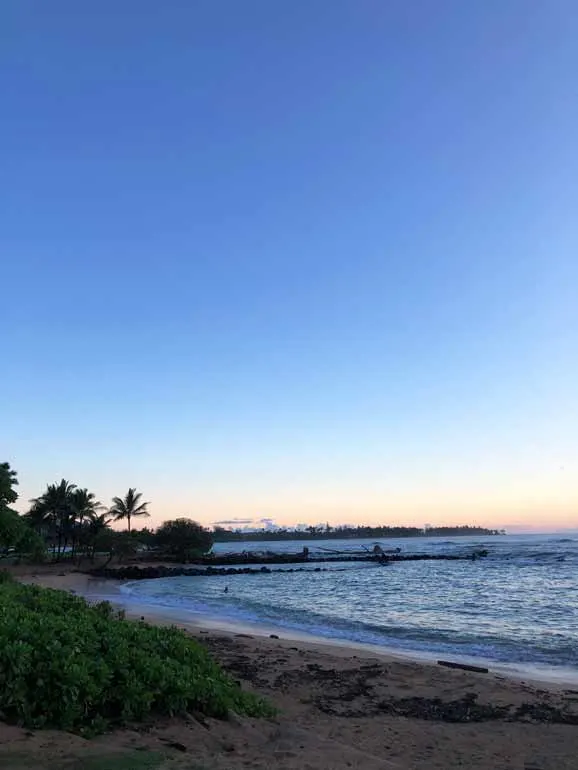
(339, 708)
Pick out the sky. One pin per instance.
(308, 261)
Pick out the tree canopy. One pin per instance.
(72, 523)
(183, 539)
(128, 507)
(15, 534)
(8, 481)
(68, 521)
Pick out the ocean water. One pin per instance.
(518, 606)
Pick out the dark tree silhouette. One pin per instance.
(128, 507)
(53, 515)
(8, 481)
(183, 539)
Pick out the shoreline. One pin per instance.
(87, 586)
(341, 707)
(550, 676)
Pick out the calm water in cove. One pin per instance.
(520, 605)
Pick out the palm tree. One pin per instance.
(98, 522)
(53, 513)
(128, 507)
(85, 504)
(94, 532)
(85, 507)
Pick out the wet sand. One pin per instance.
(343, 707)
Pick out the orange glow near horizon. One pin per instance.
(525, 495)
(529, 513)
(525, 499)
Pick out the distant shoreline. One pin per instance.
(361, 533)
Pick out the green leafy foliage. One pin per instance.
(15, 534)
(183, 539)
(8, 481)
(11, 527)
(6, 577)
(80, 667)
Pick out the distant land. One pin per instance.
(221, 535)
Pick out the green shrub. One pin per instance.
(80, 667)
(17, 537)
(183, 539)
(6, 577)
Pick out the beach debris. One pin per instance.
(174, 745)
(463, 666)
(199, 718)
(273, 636)
(365, 690)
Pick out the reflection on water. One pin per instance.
(519, 605)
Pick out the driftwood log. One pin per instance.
(463, 666)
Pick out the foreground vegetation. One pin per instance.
(69, 665)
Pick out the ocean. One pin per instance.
(517, 607)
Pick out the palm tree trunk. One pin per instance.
(76, 530)
(128, 519)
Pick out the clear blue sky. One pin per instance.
(307, 260)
